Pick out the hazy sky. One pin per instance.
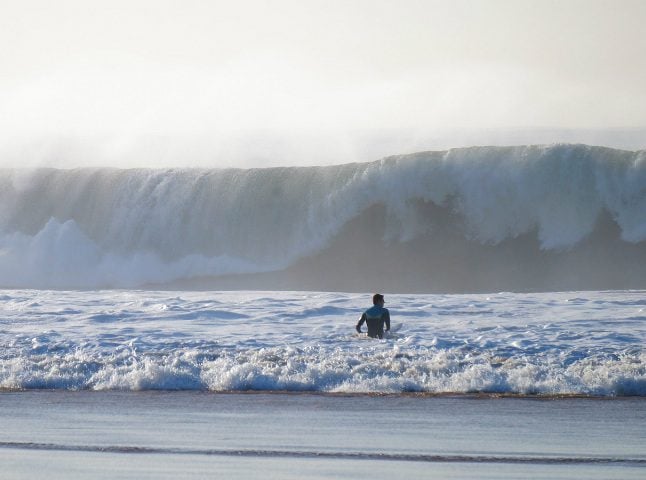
(188, 82)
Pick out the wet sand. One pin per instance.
(200, 435)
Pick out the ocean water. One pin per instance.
(527, 218)
(566, 343)
(194, 322)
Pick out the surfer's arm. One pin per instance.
(361, 320)
(387, 319)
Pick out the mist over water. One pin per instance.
(474, 219)
(256, 84)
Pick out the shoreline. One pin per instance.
(316, 393)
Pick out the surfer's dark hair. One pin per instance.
(376, 298)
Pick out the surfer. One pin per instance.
(375, 317)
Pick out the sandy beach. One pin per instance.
(260, 435)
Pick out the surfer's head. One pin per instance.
(378, 299)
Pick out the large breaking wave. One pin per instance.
(482, 218)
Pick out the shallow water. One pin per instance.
(582, 343)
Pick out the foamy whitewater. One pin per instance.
(532, 218)
(476, 219)
(588, 343)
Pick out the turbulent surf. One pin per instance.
(586, 343)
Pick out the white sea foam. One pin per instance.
(121, 228)
(562, 343)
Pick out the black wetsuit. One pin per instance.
(375, 317)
